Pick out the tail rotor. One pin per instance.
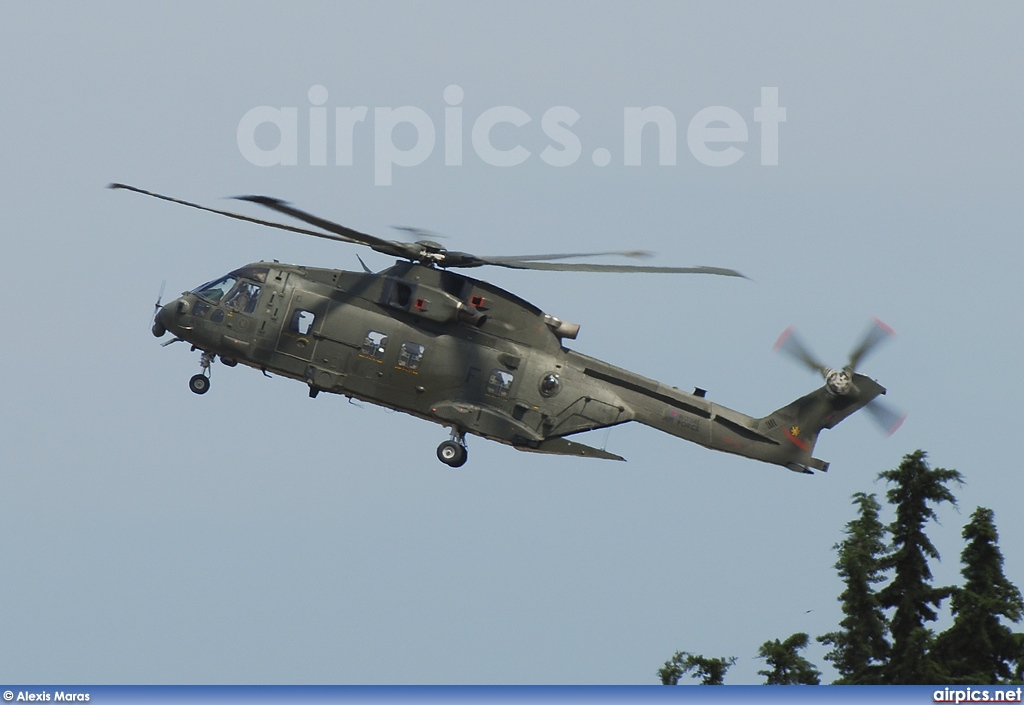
(842, 381)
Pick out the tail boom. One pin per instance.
(785, 437)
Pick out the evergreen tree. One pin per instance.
(978, 647)
(711, 671)
(859, 647)
(916, 488)
(787, 666)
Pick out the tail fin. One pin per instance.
(796, 425)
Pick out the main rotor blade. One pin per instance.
(465, 259)
(877, 333)
(428, 254)
(571, 267)
(229, 214)
(546, 258)
(792, 346)
(887, 418)
(420, 233)
(387, 247)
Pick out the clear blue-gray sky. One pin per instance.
(253, 535)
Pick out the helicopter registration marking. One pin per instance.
(683, 422)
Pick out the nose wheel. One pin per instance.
(200, 383)
(453, 452)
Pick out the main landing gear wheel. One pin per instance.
(452, 454)
(200, 384)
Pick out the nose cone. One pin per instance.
(167, 317)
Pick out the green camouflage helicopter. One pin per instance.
(428, 341)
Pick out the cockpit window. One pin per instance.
(248, 272)
(215, 290)
(243, 298)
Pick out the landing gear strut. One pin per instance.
(453, 453)
(200, 383)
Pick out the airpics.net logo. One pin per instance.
(712, 134)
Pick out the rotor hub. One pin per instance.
(839, 382)
(431, 252)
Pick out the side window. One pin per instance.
(374, 344)
(302, 322)
(500, 383)
(243, 298)
(410, 355)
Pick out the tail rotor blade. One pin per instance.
(792, 346)
(887, 418)
(877, 333)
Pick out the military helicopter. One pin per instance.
(423, 339)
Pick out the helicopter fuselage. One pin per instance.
(470, 356)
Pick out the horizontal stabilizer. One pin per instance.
(560, 446)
